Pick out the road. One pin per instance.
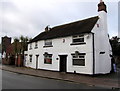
(19, 81)
(0, 80)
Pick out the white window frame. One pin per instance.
(48, 57)
(48, 43)
(25, 57)
(80, 57)
(36, 45)
(30, 58)
(78, 37)
(30, 46)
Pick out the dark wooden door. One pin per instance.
(37, 61)
(63, 63)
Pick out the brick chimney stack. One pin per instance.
(102, 6)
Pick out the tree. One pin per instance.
(20, 44)
(24, 41)
(16, 41)
(115, 45)
(0, 48)
(29, 39)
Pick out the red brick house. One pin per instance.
(12, 51)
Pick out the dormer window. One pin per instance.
(36, 45)
(30, 46)
(48, 43)
(78, 39)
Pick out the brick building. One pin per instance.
(6, 41)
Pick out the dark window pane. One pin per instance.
(48, 61)
(78, 40)
(30, 58)
(74, 36)
(74, 56)
(79, 62)
(36, 44)
(81, 35)
(81, 56)
(48, 43)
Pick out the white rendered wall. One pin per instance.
(60, 48)
(103, 61)
(101, 41)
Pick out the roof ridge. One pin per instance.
(75, 21)
(73, 28)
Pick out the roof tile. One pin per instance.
(74, 28)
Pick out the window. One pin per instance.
(79, 38)
(25, 57)
(79, 59)
(48, 43)
(36, 45)
(47, 58)
(30, 56)
(30, 46)
(102, 52)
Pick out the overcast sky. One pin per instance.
(119, 19)
(30, 17)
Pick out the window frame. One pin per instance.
(30, 58)
(48, 43)
(36, 45)
(26, 56)
(75, 39)
(47, 58)
(30, 46)
(80, 57)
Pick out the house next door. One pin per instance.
(63, 63)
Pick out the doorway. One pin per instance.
(63, 63)
(37, 61)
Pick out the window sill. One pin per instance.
(78, 43)
(47, 63)
(78, 66)
(47, 46)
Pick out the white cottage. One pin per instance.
(78, 47)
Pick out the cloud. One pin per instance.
(112, 18)
(29, 17)
(13, 21)
(119, 19)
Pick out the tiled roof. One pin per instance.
(74, 28)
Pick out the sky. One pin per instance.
(119, 19)
(30, 17)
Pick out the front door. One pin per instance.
(63, 63)
(37, 61)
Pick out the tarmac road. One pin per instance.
(19, 81)
(0, 80)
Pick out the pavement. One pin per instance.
(109, 81)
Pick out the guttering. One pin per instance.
(93, 42)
